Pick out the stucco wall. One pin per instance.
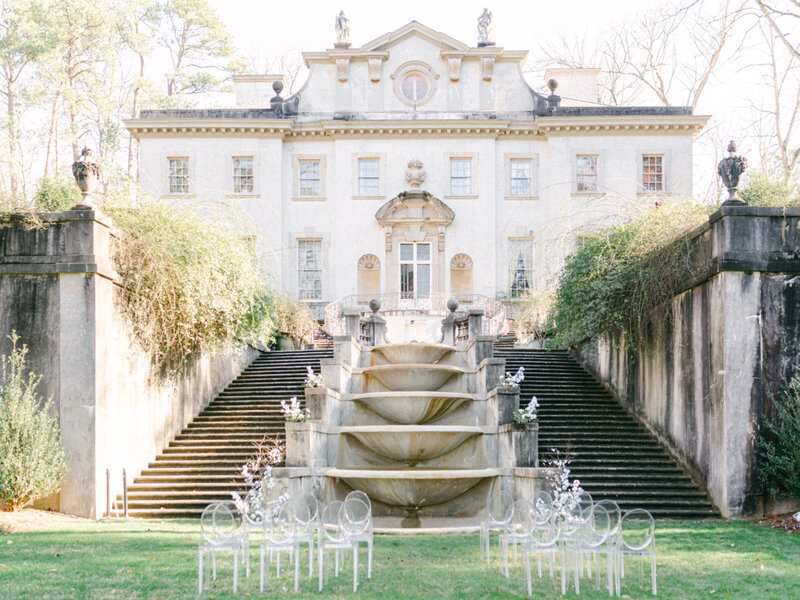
(705, 381)
(58, 292)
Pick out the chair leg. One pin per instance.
(310, 555)
(200, 572)
(261, 570)
(214, 565)
(653, 572)
(235, 569)
(526, 556)
(297, 567)
(369, 558)
(355, 567)
(320, 561)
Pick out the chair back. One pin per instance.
(312, 505)
(637, 529)
(584, 500)
(220, 522)
(598, 525)
(498, 505)
(329, 521)
(281, 528)
(542, 508)
(354, 516)
(614, 515)
(359, 495)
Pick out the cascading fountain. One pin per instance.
(418, 426)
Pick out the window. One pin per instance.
(178, 175)
(368, 177)
(460, 176)
(309, 269)
(586, 173)
(414, 87)
(520, 266)
(243, 175)
(310, 182)
(415, 271)
(653, 173)
(520, 177)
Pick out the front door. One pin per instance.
(415, 275)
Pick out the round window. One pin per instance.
(415, 86)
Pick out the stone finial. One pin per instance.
(86, 173)
(374, 305)
(553, 100)
(485, 29)
(452, 305)
(729, 170)
(342, 31)
(415, 176)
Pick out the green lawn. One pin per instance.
(158, 559)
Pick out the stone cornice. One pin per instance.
(499, 54)
(489, 128)
(262, 128)
(331, 56)
(622, 124)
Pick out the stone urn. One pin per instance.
(729, 170)
(87, 174)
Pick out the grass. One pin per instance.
(158, 560)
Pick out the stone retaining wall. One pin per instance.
(732, 342)
(58, 291)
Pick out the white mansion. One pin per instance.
(417, 166)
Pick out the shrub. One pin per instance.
(764, 190)
(293, 318)
(535, 316)
(188, 284)
(611, 285)
(779, 444)
(32, 458)
(56, 194)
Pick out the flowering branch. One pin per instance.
(292, 411)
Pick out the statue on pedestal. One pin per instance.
(730, 169)
(485, 28)
(342, 31)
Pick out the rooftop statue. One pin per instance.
(485, 28)
(342, 29)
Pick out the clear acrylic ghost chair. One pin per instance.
(307, 516)
(569, 523)
(367, 536)
(543, 520)
(495, 520)
(519, 523)
(543, 540)
(280, 535)
(220, 525)
(615, 518)
(331, 537)
(592, 539)
(637, 538)
(584, 501)
(355, 518)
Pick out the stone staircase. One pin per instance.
(203, 463)
(614, 456)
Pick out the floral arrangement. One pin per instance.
(313, 380)
(258, 477)
(292, 411)
(514, 380)
(565, 493)
(527, 414)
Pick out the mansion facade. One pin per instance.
(417, 166)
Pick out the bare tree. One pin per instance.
(668, 54)
(782, 16)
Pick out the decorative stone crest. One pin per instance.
(342, 31)
(485, 29)
(87, 173)
(415, 176)
(730, 169)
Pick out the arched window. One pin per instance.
(369, 276)
(460, 274)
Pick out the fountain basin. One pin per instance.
(413, 377)
(411, 444)
(409, 353)
(412, 488)
(409, 408)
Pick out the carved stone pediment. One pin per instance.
(414, 207)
